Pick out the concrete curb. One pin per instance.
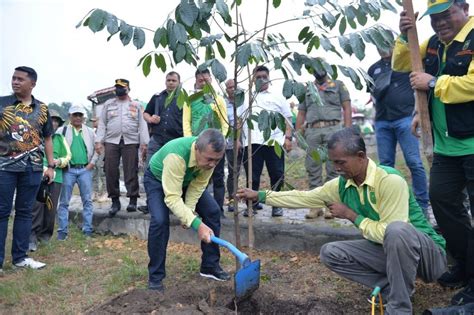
(281, 234)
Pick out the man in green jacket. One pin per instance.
(43, 218)
(399, 244)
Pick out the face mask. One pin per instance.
(120, 91)
(320, 75)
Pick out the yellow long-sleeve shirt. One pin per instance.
(449, 89)
(389, 198)
(169, 166)
(219, 108)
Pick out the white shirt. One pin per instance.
(271, 102)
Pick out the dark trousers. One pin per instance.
(449, 176)
(159, 230)
(42, 227)
(26, 185)
(218, 183)
(275, 166)
(230, 167)
(129, 155)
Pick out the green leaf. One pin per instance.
(170, 98)
(281, 122)
(180, 53)
(361, 17)
(180, 33)
(218, 70)
(239, 97)
(263, 120)
(276, 3)
(160, 62)
(160, 33)
(243, 54)
(223, 10)
(342, 25)
(295, 65)
(303, 33)
(315, 156)
(277, 62)
(314, 42)
(345, 44)
(126, 33)
(172, 40)
(146, 66)
(97, 20)
(387, 5)
(314, 94)
(221, 49)
(182, 97)
(288, 88)
(193, 97)
(112, 24)
(299, 90)
(358, 46)
(138, 38)
(188, 11)
(277, 148)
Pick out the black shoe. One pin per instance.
(156, 287)
(230, 208)
(454, 277)
(464, 296)
(132, 205)
(277, 212)
(257, 206)
(215, 273)
(115, 207)
(143, 209)
(246, 212)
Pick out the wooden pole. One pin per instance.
(421, 99)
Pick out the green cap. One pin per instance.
(438, 6)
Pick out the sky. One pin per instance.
(72, 63)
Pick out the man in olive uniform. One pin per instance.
(122, 130)
(319, 121)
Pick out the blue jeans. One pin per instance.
(83, 178)
(388, 133)
(26, 184)
(159, 230)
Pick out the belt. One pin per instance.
(323, 123)
(78, 165)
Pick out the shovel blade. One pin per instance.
(247, 280)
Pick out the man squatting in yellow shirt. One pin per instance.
(176, 180)
(398, 245)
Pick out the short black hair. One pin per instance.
(202, 71)
(261, 68)
(31, 73)
(212, 137)
(174, 73)
(350, 138)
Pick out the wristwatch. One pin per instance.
(51, 166)
(432, 83)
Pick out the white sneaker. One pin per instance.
(30, 263)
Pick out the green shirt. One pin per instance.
(78, 148)
(443, 143)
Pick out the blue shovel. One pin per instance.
(247, 278)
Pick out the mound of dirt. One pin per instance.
(289, 284)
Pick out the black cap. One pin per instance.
(122, 83)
